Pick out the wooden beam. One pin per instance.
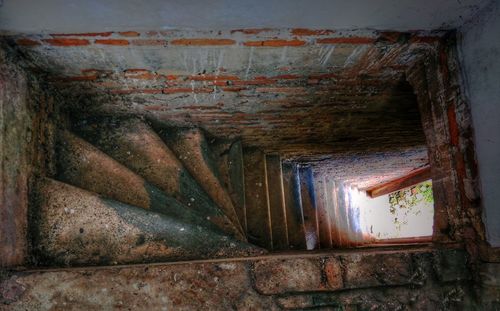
(414, 177)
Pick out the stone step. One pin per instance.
(293, 206)
(276, 201)
(81, 164)
(256, 199)
(84, 166)
(229, 157)
(191, 148)
(134, 144)
(78, 227)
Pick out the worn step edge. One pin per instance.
(193, 151)
(134, 144)
(77, 227)
(229, 156)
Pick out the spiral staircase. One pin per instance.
(127, 190)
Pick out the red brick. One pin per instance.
(287, 77)
(275, 43)
(112, 41)
(129, 34)
(333, 272)
(219, 82)
(347, 40)
(67, 42)
(187, 90)
(142, 42)
(311, 32)
(87, 34)
(138, 91)
(142, 74)
(203, 41)
(132, 70)
(251, 31)
(27, 42)
(254, 82)
(212, 77)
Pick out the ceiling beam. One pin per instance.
(414, 177)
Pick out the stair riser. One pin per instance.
(309, 208)
(230, 166)
(276, 202)
(259, 228)
(294, 213)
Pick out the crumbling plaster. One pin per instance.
(480, 48)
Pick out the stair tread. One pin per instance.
(193, 151)
(230, 164)
(83, 165)
(86, 167)
(137, 146)
(79, 227)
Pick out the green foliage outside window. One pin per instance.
(404, 202)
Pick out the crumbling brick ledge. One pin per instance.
(402, 278)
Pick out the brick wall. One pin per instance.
(245, 82)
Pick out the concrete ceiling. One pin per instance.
(65, 16)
